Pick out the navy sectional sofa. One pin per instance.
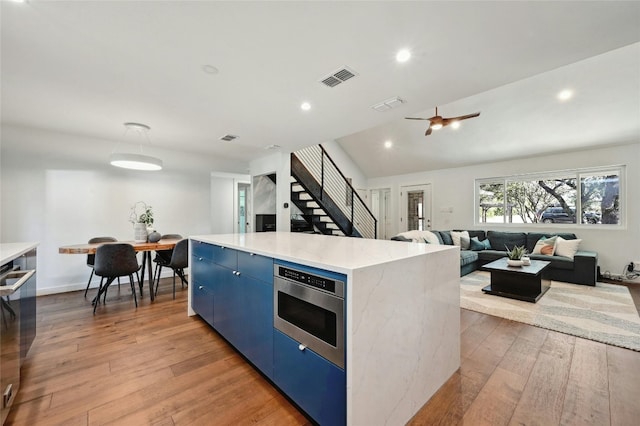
(582, 269)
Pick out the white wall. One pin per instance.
(454, 188)
(59, 189)
(346, 164)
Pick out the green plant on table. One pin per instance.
(516, 252)
(141, 213)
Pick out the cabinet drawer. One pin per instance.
(202, 271)
(202, 302)
(315, 384)
(226, 257)
(256, 266)
(203, 250)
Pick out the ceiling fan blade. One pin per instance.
(428, 132)
(463, 117)
(418, 118)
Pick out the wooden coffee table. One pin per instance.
(526, 283)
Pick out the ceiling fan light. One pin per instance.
(455, 124)
(135, 162)
(436, 126)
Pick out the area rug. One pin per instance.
(604, 313)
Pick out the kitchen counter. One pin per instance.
(402, 309)
(11, 251)
(323, 251)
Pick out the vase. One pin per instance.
(139, 232)
(154, 237)
(515, 262)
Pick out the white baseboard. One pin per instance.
(44, 291)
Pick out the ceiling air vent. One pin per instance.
(338, 76)
(228, 138)
(388, 104)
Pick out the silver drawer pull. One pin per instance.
(252, 254)
(302, 347)
(200, 288)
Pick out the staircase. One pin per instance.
(327, 201)
(314, 218)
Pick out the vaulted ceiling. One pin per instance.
(195, 71)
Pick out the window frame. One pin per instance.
(577, 174)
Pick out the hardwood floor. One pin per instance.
(156, 366)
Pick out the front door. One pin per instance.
(415, 207)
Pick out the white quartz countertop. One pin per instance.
(10, 251)
(341, 254)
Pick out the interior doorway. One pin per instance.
(415, 212)
(380, 207)
(244, 208)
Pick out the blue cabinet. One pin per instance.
(202, 279)
(318, 386)
(233, 292)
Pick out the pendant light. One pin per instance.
(136, 161)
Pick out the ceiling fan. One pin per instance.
(438, 121)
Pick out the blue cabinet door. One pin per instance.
(318, 386)
(202, 278)
(257, 344)
(202, 302)
(228, 308)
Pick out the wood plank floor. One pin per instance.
(155, 366)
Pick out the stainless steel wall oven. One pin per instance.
(309, 308)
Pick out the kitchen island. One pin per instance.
(401, 316)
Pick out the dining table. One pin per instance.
(145, 247)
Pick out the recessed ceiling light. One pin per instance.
(455, 124)
(210, 69)
(565, 95)
(388, 144)
(306, 106)
(403, 55)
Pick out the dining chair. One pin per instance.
(91, 257)
(164, 256)
(179, 261)
(113, 261)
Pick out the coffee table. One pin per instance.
(526, 283)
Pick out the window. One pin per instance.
(552, 198)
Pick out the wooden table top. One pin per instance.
(144, 246)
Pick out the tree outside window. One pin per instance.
(553, 199)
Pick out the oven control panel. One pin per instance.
(323, 283)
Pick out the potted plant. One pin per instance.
(142, 218)
(515, 255)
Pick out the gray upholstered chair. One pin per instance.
(113, 261)
(91, 257)
(179, 261)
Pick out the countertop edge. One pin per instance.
(11, 251)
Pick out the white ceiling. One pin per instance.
(87, 67)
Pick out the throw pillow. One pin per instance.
(546, 246)
(476, 245)
(567, 248)
(430, 237)
(487, 244)
(461, 239)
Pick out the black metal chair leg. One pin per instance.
(133, 289)
(88, 283)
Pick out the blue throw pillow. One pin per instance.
(487, 244)
(477, 245)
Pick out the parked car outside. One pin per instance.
(558, 215)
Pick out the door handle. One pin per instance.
(302, 347)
